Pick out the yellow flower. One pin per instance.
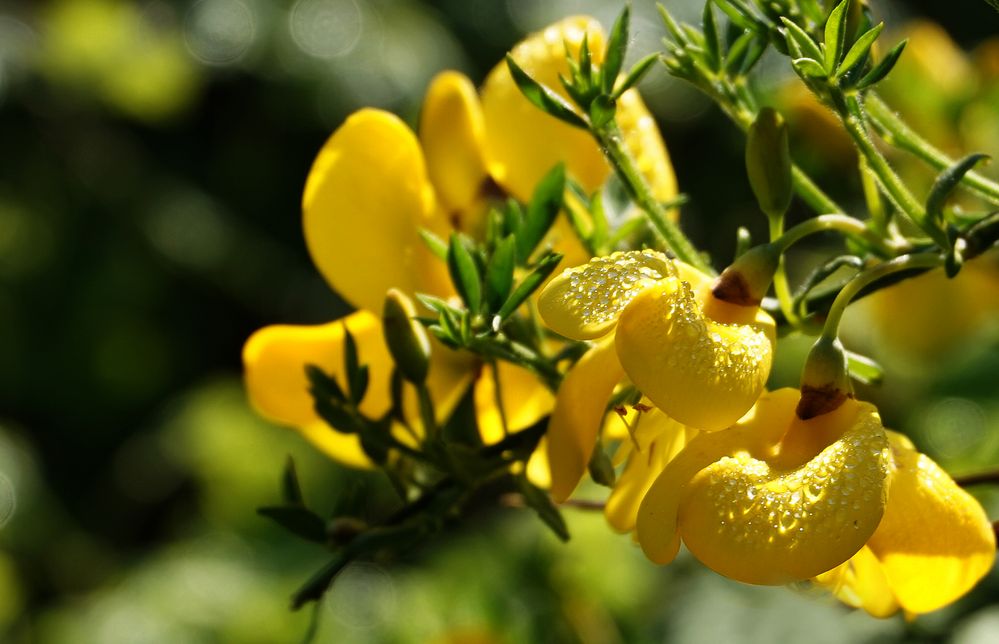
(376, 184)
(702, 361)
(774, 499)
(932, 546)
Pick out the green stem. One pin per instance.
(781, 287)
(902, 263)
(845, 224)
(610, 139)
(897, 133)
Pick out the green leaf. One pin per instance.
(881, 69)
(602, 110)
(860, 49)
(799, 41)
(737, 52)
(405, 338)
(291, 491)
(945, 183)
(436, 245)
(864, 369)
(357, 376)
(808, 68)
(338, 417)
(539, 501)
(542, 97)
(541, 212)
(513, 217)
(738, 13)
(529, 284)
(617, 47)
(585, 62)
(297, 520)
(994, 4)
(835, 35)
(316, 586)
(768, 162)
(464, 273)
(712, 46)
(499, 273)
(756, 50)
(635, 76)
(322, 385)
(671, 25)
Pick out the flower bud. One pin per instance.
(406, 338)
(768, 162)
(825, 380)
(746, 281)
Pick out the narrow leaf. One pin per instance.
(602, 110)
(635, 76)
(859, 50)
(539, 501)
(356, 380)
(291, 490)
(796, 37)
(499, 273)
(542, 97)
(881, 69)
(529, 284)
(835, 35)
(617, 47)
(323, 385)
(946, 181)
(808, 68)
(436, 245)
(297, 520)
(863, 369)
(464, 273)
(541, 212)
(739, 14)
(712, 46)
(671, 25)
(737, 52)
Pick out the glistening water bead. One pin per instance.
(599, 290)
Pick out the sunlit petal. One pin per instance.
(704, 372)
(935, 541)
(365, 200)
(643, 140)
(274, 360)
(579, 412)
(860, 582)
(584, 302)
(525, 401)
(452, 134)
(775, 498)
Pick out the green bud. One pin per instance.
(746, 281)
(601, 468)
(406, 338)
(768, 162)
(825, 380)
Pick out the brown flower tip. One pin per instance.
(733, 287)
(816, 401)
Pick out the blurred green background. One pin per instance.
(153, 155)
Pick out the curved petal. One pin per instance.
(935, 541)
(703, 372)
(538, 470)
(860, 582)
(524, 399)
(274, 360)
(660, 439)
(522, 142)
(643, 140)
(774, 499)
(365, 200)
(452, 134)
(579, 411)
(585, 302)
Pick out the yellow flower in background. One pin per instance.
(932, 546)
(376, 184)
(774, 499)
(703, 362)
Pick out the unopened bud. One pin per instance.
(406, 338)
(746, 281)
(768, 162)
(825, 380)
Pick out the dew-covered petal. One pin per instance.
(703, 372)
(579, 411)
(935, 542)
(774, 499)
(659, 439)
(366, 198)
(274, 360)
(861, 582)
(452, 134)
(525, 401)
(584, 302)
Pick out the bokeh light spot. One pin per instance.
(326, 28)
(219, 32)
(363, 597)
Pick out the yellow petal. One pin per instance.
(643, 140)
(660, 438)
(579, 412)
(935, 541)
(774, 499)
(860, 582)
(365, 200)
(525, 401)
(584, 302)
(522, 142)
(453, 137)
(538, 470)
(703, 372)
(274, 360)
